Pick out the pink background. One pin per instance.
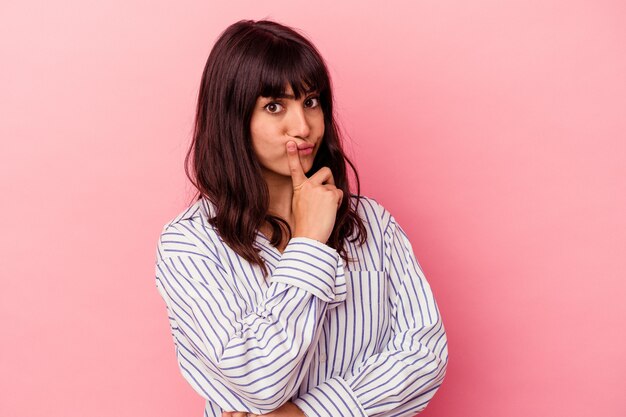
(493, 131)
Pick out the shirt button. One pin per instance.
(322, 358)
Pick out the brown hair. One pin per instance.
(252, 59)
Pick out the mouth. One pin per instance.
(305, 149)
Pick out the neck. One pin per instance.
(281, 195)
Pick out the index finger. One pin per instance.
(295, 167)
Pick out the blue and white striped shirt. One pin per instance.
(358, 339)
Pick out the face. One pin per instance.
(277, 120)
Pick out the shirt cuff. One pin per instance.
(332, 398)
(313, 266)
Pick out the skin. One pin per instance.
(309, 204)
(288, 409)
(275, 122)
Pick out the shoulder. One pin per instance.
(371, 211)
(189, 233)
(380, 222)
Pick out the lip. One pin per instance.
(304, 146)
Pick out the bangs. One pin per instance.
(286, 63)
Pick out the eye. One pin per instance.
(273, 107)
(312, 102)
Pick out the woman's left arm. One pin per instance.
(401, 379)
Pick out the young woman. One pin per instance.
(287, 295)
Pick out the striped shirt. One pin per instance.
(337, 339)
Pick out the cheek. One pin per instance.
(318, 119)
(261, 140)
(269, 149)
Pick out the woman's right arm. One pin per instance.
(247, 357)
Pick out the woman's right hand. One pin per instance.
(315, 199)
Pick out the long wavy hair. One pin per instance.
(252, 59)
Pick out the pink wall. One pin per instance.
(493, 131)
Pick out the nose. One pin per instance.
(298, 125)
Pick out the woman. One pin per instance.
(286, 294)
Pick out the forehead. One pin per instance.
(287, 92)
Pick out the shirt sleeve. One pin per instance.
(401, 379)
(241, 356)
